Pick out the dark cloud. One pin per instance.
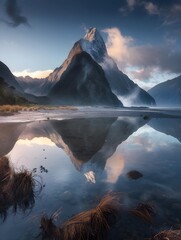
(14, 13)
(162, 57)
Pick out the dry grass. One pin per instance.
(5, 175)
(5, 204)
(5, 172)
(17, 189)
(144, 211)
(22, 187)
(49, 229)
(168, 235)
(89, 225)
(17, 108)
(95, 223)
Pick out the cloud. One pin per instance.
(37, 140)
(14, 13)
(36, 74)
(118, 46)
(151, 8)
(131, 4)
(172, 15)
(114, 167)
(123, 50)
(142, 73)
(176, 9)
(145, 64)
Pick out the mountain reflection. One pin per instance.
(119, 131)
(89, 142)
(169, 126)
(9, 134)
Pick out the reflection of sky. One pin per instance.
(154, 154)
(157, 157)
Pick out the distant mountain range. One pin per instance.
(34, 86)
(89, 76)
(167, 93)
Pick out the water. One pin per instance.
(79, 160)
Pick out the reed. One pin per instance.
(144, 211)
(168, 235)
(22, 187)
(49, 229)
(5, 172)
(93, 224)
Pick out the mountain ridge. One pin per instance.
(84, 83)
(167, 93)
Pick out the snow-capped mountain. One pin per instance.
(83, 82)
(124, 88)
(168, 93)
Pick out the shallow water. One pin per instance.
(79, 160)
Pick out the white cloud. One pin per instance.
(114, 167)
(142, 73)
(36, 74)
(118, 46)
(151, 8)
(145, 61)
(176, 9)
(37, 140)
(131, 4)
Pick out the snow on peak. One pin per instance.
(93, 44)
(93, 34)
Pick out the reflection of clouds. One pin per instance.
(145, 141)
(114, 167)
(150, 139)
(36, 140)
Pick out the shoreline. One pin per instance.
(89, 112)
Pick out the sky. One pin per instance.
(143, 37)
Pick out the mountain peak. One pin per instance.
(93, 44)
(92, 34)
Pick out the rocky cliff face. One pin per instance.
(83, 82)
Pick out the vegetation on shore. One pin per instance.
(8, 95)
(6, 109)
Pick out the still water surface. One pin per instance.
(80, 160)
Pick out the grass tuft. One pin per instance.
(17, 189)
(89, 225)
(167, 235)
(144, 211)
